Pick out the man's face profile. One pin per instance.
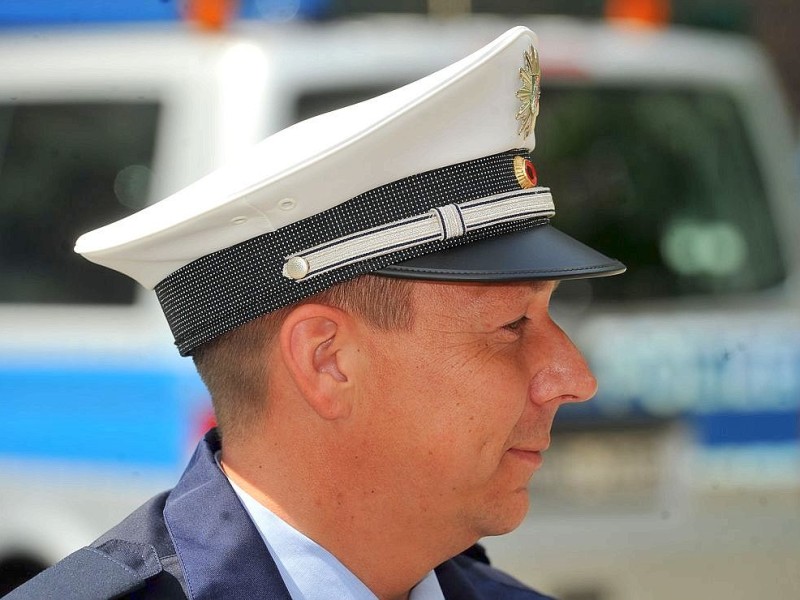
(460, 406)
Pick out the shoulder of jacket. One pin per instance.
(108, 571)
(134, 559)
(493, 583)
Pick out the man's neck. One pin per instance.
(382, 550)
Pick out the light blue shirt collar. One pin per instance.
(311, 572)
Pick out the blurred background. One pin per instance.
(668, 134)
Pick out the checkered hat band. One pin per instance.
(223, 290)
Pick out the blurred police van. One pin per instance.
(667, 148)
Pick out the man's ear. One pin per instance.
(314, 340)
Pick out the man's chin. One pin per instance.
(507, 518)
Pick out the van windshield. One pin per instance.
(665, 181)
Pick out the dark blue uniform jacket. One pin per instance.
(197, 542)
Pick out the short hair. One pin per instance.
(233, 366)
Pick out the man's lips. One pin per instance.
(534, 457)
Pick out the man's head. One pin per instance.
(432, 413)
(366, 296)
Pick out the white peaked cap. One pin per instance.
(362, 189)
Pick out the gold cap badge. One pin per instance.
(528, 94)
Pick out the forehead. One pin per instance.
(447, 297)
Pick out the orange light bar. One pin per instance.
(639, 12)
(212, 15)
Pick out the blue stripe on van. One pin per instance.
(71, 12)
(726, 428)
(111, 415)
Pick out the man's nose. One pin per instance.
(566, 377)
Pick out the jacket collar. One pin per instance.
(219, 548)
(454, 582)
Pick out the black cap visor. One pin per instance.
(540, 253)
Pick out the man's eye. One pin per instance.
(516, 325)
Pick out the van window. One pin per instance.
(66, 168)
(662, 179)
